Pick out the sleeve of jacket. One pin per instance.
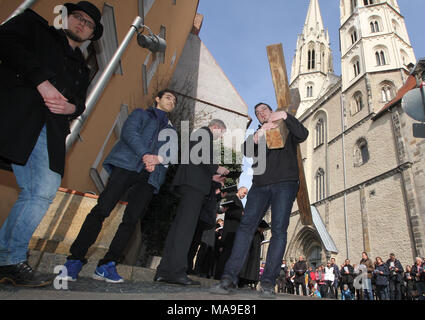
(15, 39)
(133, 133)
(299, 132)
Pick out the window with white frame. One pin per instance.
(319, 133)
(309, 90)
(98, 174)
(311, 59)
(374, 26)
(380, 58)
(320, 184)
(357, 103)
(387, 91)
(356, 67)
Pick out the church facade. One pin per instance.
(364, 169)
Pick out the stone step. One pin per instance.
(51, 262)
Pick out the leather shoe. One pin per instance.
(182, 280)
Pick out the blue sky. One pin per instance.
(237, 33)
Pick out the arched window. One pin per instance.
(368, 2)
(356, 68)
(354, 36)
(315, 256)
(374, 26)
(320, 185)
(353, 5)
(387, 92)
(357, 103)
(380, 58)
(361, 153)
(311, 59)
(319, 133)
(309, 91)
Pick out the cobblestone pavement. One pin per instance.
(87, 288)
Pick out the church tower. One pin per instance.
(375, 48)
(312, 67)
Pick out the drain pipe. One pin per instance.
(98, 89)
(345, 176)
(25, 5)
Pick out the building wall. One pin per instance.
(177, 17)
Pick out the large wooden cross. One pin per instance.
(288, 100)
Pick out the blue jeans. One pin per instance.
(38, 186)
(281, 197)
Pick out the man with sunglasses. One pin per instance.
(43, 85)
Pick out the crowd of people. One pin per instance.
(367, 280)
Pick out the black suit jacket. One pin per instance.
(198, 176)
(30, 53)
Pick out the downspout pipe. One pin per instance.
(25, 5)
(345, 177)
(98, 89)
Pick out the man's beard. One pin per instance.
(71, 35)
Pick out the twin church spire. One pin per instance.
(312, 67)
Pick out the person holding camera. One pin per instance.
(396, 277)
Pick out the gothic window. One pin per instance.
(311, 59)
(387, 92)
(353, 5)
(374, 26)
(380, 58)
(361, 153)
(354, 36)
(319, 133)
(357, 103)
(309, 91)
(356, 68)
(368, 2)
(320, 185)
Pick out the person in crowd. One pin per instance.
(357, 284)
(346, 293)
(396, 277)
(337, 276)
(409, 284)
(136, 169)
(329, 280)
(381, 275)
(290, 286)
(367, 280)
(250, 273)
(232, 218)
(206, 222)
(418, 273)
(283, 277)
(43, 86)
(277, 187)
(194, 180)
(320, 280)
(315, 291)
(347, 275)
(300, 269)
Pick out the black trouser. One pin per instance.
(394, 289)
(303, 287)
(139, 195)
(196, 241)
(174, 258)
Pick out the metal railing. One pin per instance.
(25, 5)
(98, 89)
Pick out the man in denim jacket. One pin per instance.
(134, 166)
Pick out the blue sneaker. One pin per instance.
(108, 272)
(73, 268)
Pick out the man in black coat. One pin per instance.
(43, 84)
(347, 276)
(395, 278)
(232, 218)
(300, 269)
(194, 181)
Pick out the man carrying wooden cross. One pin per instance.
(277, 187)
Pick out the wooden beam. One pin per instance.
(284, 102)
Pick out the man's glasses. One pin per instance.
(83, 20)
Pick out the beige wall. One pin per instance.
(122, 89)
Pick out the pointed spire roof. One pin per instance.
(314, 17)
